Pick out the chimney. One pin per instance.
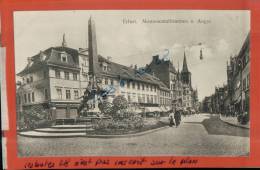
(29, 59)
(64, 43)
(156, 58)
(135, 66)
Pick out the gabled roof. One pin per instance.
(52, 56)
(128, 73)
(161, 63)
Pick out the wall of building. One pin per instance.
(35, 88)
(63, 84)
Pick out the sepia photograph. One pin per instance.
(132, 82)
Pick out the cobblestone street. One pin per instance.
(201, 134)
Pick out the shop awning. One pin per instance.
(152, 109)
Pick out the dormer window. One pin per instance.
(63, 57)
(105, 66)
(42, 56)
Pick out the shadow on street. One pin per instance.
(215, 126)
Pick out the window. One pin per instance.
(28, 80)
(31, 78)
(142, 86)
(29, 97)
(129, 97)
(143, 98)
(134, 97)
(148, 100)
(85, 62)
(112, 82)
(128, 84)
(244, 84)
(138, 86)
(133, 85)
(106, 81)
(57, 74)
(154, 88)
(67, 75)
(68, 94)
(18, 100)
(105, 68)
(46, 94)
(59, 93)
(122, 83)
(248, 81)
(25, 98)
(44, 74)
(139, 98)
(63, 57)
(75, 76)
(76, 94)
(33, 99)
(147, 87)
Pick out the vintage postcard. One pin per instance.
(131, 88)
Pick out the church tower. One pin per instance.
(185, 73)
(92, 48)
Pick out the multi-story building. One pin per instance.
(238, 73)
(206, 105)
(55, 79)
(182, 93)
(233, 98)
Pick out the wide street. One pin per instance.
(202, 134)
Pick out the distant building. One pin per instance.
(206, 105)
(190, 96)
(234, 97)
(238, 73)
(182, 93)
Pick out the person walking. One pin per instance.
(177, 117)
(171, 116)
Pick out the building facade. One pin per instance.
(181, 92)
(55, 80)
(233, 98)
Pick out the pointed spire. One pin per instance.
(201, 56)
(64, 44)
(185, 66)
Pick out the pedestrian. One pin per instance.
(171, 120)
(177, 117)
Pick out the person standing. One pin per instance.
(177, 117)
(171, 116)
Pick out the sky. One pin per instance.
(218, 33)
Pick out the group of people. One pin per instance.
(175, 118)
